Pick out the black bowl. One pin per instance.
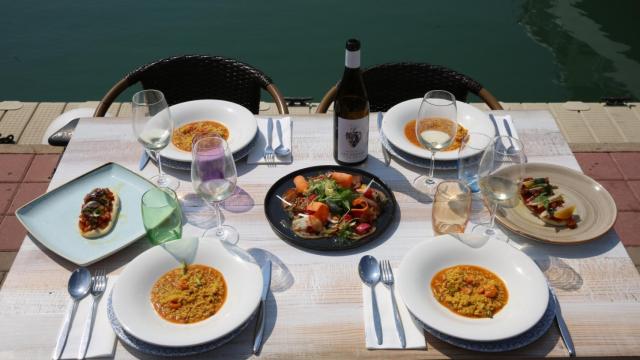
(281, 223)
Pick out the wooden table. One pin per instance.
(315, 308)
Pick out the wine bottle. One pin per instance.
(351, 112)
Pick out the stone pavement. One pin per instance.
(25, 173)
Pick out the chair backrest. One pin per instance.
(390, 84)
(194, 77)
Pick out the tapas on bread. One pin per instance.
(99, 212)
(539, 195)
(333, 204)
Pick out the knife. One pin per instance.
(266, 283)
(385, 153)
(564, 330)
(144, 159)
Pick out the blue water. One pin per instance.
(521, 50)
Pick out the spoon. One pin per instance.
(79, 286)
(281, 150)
(369, 271)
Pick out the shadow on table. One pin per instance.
(201, 215)
(538, 349)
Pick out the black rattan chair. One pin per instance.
(194, 77)
(390, 84)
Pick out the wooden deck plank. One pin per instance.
(14, 121)
(44, 114)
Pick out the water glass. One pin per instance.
(436, 127)
(161, 215)
(153, 127)
(214, 177)
(451, 207)
(468, 165)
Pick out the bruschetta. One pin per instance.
(539, 197)
(99, 213)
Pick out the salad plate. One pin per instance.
(342, 227)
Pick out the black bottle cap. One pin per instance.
(353, 45)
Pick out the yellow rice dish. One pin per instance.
(189, 294)
(470, 291)
(183, 136)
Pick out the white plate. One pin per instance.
(527, 287)
(52, 218)
(239, 120)
(400, 114)
(131, 294)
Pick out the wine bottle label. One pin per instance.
(353, 139)
(352, 59)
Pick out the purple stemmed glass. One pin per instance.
(214, 177)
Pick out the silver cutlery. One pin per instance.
(144, 159)
(281, 150)
(268, 150)
(79, 286)
(262, 312)
(99, 285)
(388, 280)
(385, 153)
(495, 124)
(506, 126)
(369, 271)
(564, 330)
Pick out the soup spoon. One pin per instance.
(281, 150)
(79, 286)
(369, 271)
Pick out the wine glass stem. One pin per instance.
(219, 231)
(162, 180)
(433, 163)
(494, 209)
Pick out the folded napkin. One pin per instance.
(256, 156)
(103, 339)
(501, 128)
(390, 340)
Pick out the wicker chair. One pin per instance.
(193, 77)
(390, 84)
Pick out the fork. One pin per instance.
(99, 285)
(388, 280)
(268, 150)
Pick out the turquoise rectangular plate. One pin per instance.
(52, 219)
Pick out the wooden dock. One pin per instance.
(588, 127)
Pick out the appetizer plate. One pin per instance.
(595, 208)
(281, 224)
(399, 115)
(52, 219)
(239, 120)
(526, 285)
(132, 304)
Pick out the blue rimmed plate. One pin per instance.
(52, 219)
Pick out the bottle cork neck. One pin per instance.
(352, 59)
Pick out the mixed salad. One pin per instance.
(333, 204)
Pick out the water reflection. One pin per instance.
(591, 59)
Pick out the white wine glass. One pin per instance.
(436, 128)
(153, 126)
(501, 170)
(214, 177)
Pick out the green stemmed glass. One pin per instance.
(161, 215)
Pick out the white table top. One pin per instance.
(315, 309)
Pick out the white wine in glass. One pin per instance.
(214, 177)
(436, 127)
(501, 170)
(153, 126)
